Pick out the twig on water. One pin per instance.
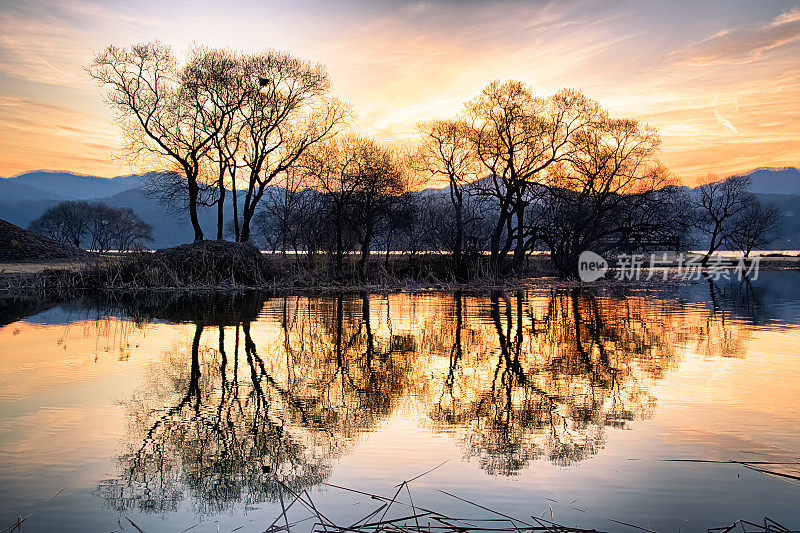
(752, 465)
(140, 530)
(769, 526)
(426, 472)
(18, 524)
(486, 508)
(283, 508)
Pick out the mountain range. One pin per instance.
(24, 197)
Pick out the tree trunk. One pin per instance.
(459, 244)
(236, 230)
(362, 263)
(494, 242)
(244, 234)
(388, 248)
(519, 250)
(712, 245)
(220, 210)
(194, 191)
(249, 205)
(339, 244)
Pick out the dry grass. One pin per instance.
(35, 268)
(225, 266)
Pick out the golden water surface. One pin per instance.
(567, 403)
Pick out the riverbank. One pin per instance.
(225, 266)
(220, 266)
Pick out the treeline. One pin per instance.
(94, 226)
(521, 172)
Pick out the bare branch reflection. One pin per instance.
(247, 399)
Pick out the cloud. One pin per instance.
(427, 63)
(717, 106)
(41, 135)
(764, 117)
(743, 44)
(400, 63)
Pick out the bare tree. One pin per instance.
(361, 179)
(517, 136)
(333, 168)
(66, 222)
(287, 109)
(96, 225)
(447, 152)
(288, 208)
(719, 203)
(160, 115)
(102, 222)
(213, 78)
(399, 220)
(380, 184)
(755, 226)
(603, 196)
(130, 230)
(111, 228)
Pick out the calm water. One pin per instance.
(567, 404)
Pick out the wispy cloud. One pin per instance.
(742, 44)
(55, 137)
(719, 81)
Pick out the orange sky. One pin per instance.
(719, 79)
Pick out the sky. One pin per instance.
(720, 80)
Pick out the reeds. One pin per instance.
(422, 520)
(413, 517)
(769, 526)
(225, 267)
(417, 519)
(763, 467)
(17, 526)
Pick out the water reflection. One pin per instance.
(219, 435)
(279, 388)
(558, 371)
(242, 414)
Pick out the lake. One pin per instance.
(671, 409)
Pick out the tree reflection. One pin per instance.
(239, 422)
(281, 391)
(222, 440)
(558, 373)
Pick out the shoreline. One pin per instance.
(18, 277)
(220, 267)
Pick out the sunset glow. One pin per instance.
(720, 80)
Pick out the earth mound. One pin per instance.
(198, 264)
(19, 245)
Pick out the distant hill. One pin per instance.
(23, 212)
(775, 180)
(26, 196)
(16, 191)
(40, 185)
